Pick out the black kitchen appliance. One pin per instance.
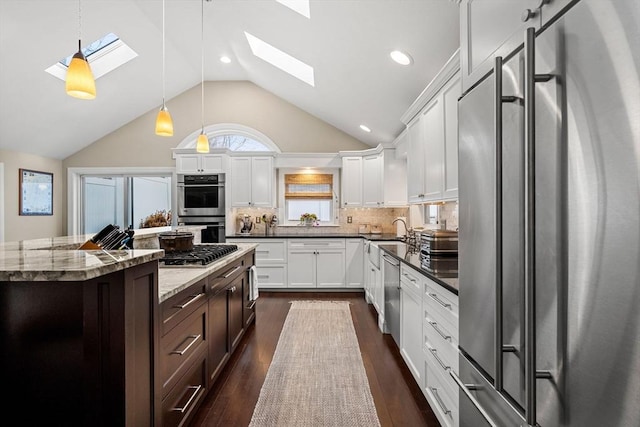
(199, 255)
(439, 252)
(201, 195)
(201, 201)
(215, 231)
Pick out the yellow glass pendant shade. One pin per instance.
(79, 82)
(202, 146)
(164, 123)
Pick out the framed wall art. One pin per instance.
(36, 192)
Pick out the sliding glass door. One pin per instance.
(122, 200)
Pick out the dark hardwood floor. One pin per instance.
(398, 399)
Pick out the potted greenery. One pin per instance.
(308, 219)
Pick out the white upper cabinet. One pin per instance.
(351, 181)
(432, 122)
(382, 183)
(200, 163)
(432, 157)
(372, 171)
(450, 95)
(251, 181)
(415, 162)
(394, 179)
(490, 28)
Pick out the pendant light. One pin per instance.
(79, 81)
(202, 145)
(164, 123)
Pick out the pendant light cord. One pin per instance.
(79, 20)
(163, 57)
(202, 58)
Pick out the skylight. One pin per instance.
(300, 6)
(280, 59)
(105, 55)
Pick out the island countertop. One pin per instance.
(63, 265)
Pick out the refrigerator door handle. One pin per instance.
(499, 99)
(530, 80)
(465, 388)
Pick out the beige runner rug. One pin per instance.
(317, 377)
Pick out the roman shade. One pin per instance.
(308, 186)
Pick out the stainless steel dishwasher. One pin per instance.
(392, 296)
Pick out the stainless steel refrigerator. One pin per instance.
(549, 233)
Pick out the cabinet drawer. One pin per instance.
(179, 346)
(271, 252)
(316, 243)
(219, 279)
(441, 397)
(411, 279)
(272, 277)
(442, 305)
(184, 399)
(441, 345)
(180, 306)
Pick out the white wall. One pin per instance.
(17, 227)
(242, 102)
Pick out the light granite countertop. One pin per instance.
(173, 279)
(66, 265)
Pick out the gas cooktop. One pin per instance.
(198, 256)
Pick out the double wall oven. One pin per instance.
(201, 201)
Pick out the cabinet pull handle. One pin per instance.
(250, 306)
(232, 289)
(196, 390)
(231, 272)
(435, 326)
(433, 353)
(465, 388)
(194, 339)
(440, 402)
(193, 299)
(439, 301)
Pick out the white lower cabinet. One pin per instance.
(442, 399)
(316, 263)
(271, 261)
(440, 348)
(354, 260)
(411, 322)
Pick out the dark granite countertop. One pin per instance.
(412, 259)
(285, 235)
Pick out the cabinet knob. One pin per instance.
(528, 14)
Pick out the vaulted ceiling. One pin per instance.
(347, 42)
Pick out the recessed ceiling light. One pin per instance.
(365, 128)
(280, 59)
(225, 59)
(401, 58)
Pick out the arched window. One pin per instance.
(234, 137)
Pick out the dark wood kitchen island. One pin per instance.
(83, 332)
(78, 334)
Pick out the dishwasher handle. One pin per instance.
(391, 260)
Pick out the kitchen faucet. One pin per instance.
(409, 234)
